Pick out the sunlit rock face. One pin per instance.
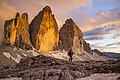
(22, 36)
(71, 37)
(16, 32)
(44, 31)
(9, 32)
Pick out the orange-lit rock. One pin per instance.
(44, 31)
(16, 32)
(9, 33)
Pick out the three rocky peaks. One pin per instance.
(43, 34)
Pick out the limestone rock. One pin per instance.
(22, 36)
(71, 37)
(16, 32)
(44, 31)
(9, 33)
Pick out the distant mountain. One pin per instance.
(111, 54)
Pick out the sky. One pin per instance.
(99, 20)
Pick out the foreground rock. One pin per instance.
(48, 68)
(44, 31)
(16, 32)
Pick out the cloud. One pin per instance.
(104, 38)
(105, 16)
(117, 36)
(113, 44)
(62, 7)
(114, 47)
(59, 7)
(106, 29)
(88, 21)
(68, 4)
(7, 11)
(94, 38)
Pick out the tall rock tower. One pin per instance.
(9, 32)
(71, 37)
(43, 31)
(16, 32)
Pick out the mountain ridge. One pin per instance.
(42, 35)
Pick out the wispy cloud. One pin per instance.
(104, 38)
(114, 47)
(86, 21)
(102, 30)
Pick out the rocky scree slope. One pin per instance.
(49, 68)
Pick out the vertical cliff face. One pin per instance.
(16, 32)
(9, 32)
(87, 47)
(22, 36)
(44, 31)
(71, 37)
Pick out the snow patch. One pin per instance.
(24, 54)
(17, 59)
(59, 54)
(33, 52)
(7, 55)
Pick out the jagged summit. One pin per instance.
(47, 8)
(25, 16)
(17, 15)
(71, 37)
(16, 32)
(69, 21)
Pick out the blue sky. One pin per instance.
(98, 19)
(100, 5)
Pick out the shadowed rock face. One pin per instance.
(44, 31)
(9, 32)
(87, 47)
(71, 37)
(16, 32)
